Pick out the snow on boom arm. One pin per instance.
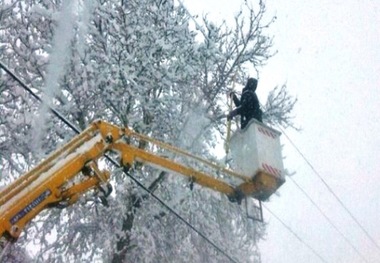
(72, 170)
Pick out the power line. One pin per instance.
(179, 217)
(295, 234)
(332, 192)
(316, 205)
(327, 218)
(72, 126)
(55, 112)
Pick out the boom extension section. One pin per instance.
(72, 170)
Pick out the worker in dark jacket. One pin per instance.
(248, 106)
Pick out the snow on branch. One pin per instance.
(279, 107)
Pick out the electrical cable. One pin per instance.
(55, 112)
(328, 219)
(72, 126)
(332, 192)
(295, 234)
(318, 208)
(180, 217)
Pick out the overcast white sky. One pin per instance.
(329, 56)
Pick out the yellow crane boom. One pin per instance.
(71, 170)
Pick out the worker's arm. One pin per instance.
(235, 99)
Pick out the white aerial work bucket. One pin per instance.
(256, 153)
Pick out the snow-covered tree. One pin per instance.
(142, 64)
